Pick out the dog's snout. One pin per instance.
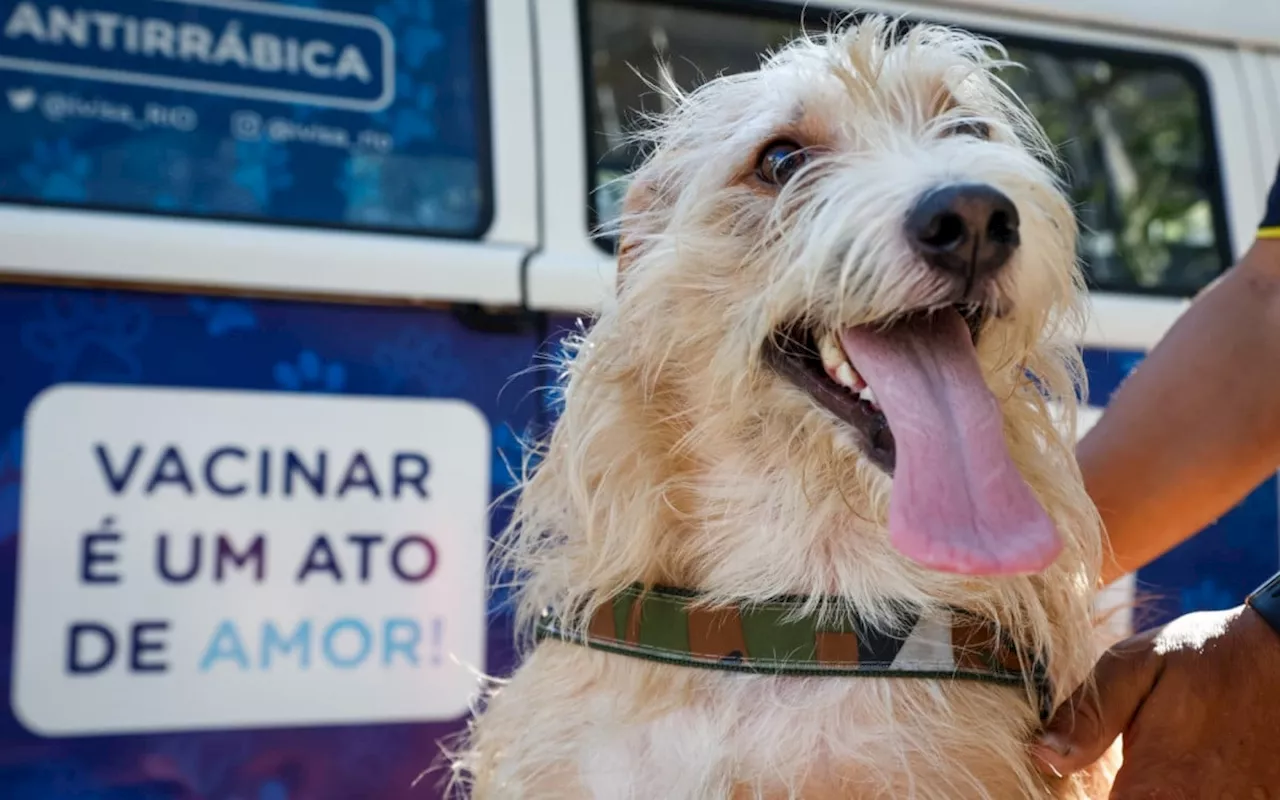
(969, 230)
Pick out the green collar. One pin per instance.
(663, 624)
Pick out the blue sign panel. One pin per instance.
(327, 112)
(305, 354)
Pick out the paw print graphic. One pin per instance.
(223, 316)
(10, 482)
(410, 118)
(425, 361)
(308, 373)
(273, 789)
(361, 183)
(88, 336)
(412, 20)
(261, 169)
(56, 171)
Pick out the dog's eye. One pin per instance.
(779, 162)
(978, 130)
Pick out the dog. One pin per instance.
(820, 406)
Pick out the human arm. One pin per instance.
(1197, 426)
(1193, 430)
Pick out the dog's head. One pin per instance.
(870, 210)
(864, 237)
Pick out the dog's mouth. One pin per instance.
(913, 392)
(817, 363)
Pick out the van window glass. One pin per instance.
(333, 113)
(1133, 130)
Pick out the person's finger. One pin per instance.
(1085, 726)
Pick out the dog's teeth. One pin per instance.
(849, 378)
(870, 397)
(832, 355)
(837, 364)
(844, 375)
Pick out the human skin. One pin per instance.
(1197, 425)
(1190, 433)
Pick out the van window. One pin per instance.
(335, 113)
(1134, 130)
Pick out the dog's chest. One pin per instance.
(749, 737)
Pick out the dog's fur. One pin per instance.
(680, 458)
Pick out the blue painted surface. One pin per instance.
(49, 336)
(85, 138)
(1220, 565)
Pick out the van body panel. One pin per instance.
(226, 253)
(354, 311)
(1252, 22)
(277, 350)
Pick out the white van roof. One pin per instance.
(1250, 23)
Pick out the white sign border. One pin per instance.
(131, 78)
(27, 722)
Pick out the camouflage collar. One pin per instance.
(664, 624)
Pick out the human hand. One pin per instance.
(1198, 702)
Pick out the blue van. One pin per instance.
(277, 284)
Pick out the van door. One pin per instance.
(1156, 136)
(260, 289)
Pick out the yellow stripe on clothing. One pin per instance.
(1269, 233)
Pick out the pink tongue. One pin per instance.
(958, 504)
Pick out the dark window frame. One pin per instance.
(765, 9)
(484, 169)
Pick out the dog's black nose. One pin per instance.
(967, 229)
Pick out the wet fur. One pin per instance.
(681, 458)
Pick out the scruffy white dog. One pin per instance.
(807, 527)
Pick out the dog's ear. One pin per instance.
(636, 204)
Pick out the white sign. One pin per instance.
(233, 48)
(197, 559)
